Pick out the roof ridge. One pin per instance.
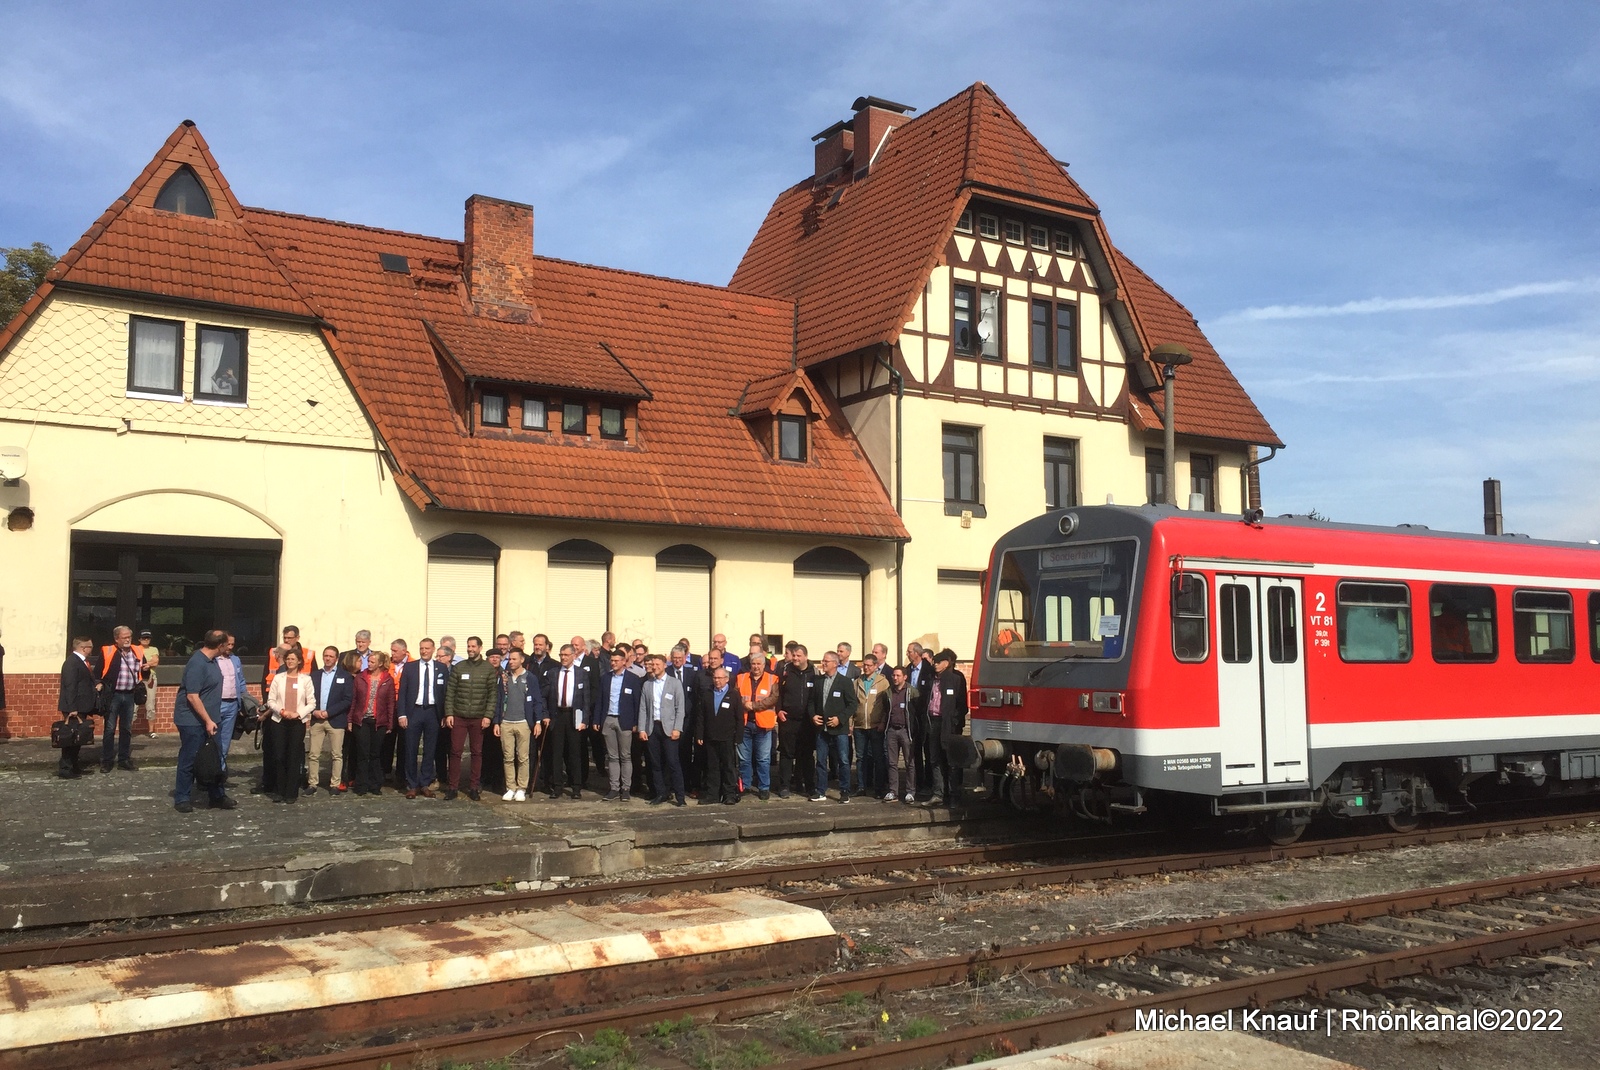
(664, 278)
(353, 226)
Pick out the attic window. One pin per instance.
(611, 423)
(1013, 232)
(1064, 243)
(1039, 237)
(184, 195)
(575, 418)
(534, 417)
(964, 224)
(988, 226)
(494, 410)
(395, 262)
(791, 438)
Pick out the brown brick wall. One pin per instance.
(30, 707)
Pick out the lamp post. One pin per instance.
(1171, 357)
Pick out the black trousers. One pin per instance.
(386, 755)
(929, 750)
(722, 770)
(666, 771)
(797, 743)
(369, 774)
(271, 753)
(283, 765)
(566, 751)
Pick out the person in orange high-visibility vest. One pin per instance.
(121, 674)
(759, 689)
(291, 641)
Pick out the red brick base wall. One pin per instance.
(30, 707)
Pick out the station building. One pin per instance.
(245, 417)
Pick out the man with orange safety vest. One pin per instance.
(759, 689)
(121, 678)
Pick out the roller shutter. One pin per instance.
(683, 606)
(960, 606)
(828, 611)
(579, 599)
(461, 599)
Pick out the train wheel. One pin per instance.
(1403, 821)
(1282, 829)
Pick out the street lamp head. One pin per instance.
(1171, 355)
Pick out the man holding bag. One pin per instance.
(78, 701)
(197, 715)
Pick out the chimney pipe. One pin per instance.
(497, 257)
(1493, 522)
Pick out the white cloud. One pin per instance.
(1372, 305)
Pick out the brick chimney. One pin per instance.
(875, 117)
(833, 147)
(498, 258)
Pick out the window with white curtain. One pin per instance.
(220, 370)
(155, 356)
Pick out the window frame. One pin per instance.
(566, 423)
(1468, 657)
(176, 393)
(1234, 601)
(1052, 360)
(785, 419)
(544, 410)
(1069, 446)
(982, 347)
(1210, 460)
(1016, 232)
(1064, 242)
(988, 226)
(621, 434)
(484, 397)
(1516, 627)
(964, 221)
(1282, 625)
(206, 397)
(1409, 632)
(1155, 468)
(1042, 234)
(1594, 626)
(958, 451)
(1204, 616)
(968, 349)
(183, 208)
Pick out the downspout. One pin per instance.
(1244, 469)
(899, 489)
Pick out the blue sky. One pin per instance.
(1383, 214)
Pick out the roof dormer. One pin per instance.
(779, 410)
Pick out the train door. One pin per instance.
(1261, 684)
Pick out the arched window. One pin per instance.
(577, 591)
(461, 586)
(683, 596)
(184, 195)
(829, 599)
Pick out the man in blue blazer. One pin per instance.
(617, 718)
(417, 710)
(334, 688)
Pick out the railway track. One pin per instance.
(1208, 966)
(847, 876)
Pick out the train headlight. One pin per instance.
(1067, 524)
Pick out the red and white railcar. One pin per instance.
(1270, 668)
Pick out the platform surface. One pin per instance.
(57, 1004)
(1190, 1050)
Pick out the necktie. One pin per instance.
(566, 687)
(427, 674)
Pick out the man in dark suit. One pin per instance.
(334, 689)
(720, 716)
(422, 687)
(79, 699)
(832, 723)
(919, 675)
(569, 706)
(681, 668)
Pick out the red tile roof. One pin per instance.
(856, 256)
(768, 394)
(537, 356)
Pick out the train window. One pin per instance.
(1374, 621)
(1063, 601)
(1461, 623)
(1594, 625)
(1283, 626)
(1541, 624)
(1191, 631)
(1234, 623)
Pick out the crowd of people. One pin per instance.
(521, 717)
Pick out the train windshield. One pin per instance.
(1063, 601)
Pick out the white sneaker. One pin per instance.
(909, 799)
(508, 796)
(889, 797)
(819, 798)
(521, 796)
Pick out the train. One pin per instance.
(1260, 672)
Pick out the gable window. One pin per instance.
(988, 226)
(575, 418)
(989, 323)
(1013, 232)
(1039, 237)
(1053, 338)
(494, 410)
(611, 422)
(184, 195)
(534, 415)
(964, 223)
(960, 465)
(1155, 477)
(155, 357)
(965, 298)
(1203, 481)
(221, 365)
(791, 438)
(1064, 243)
(1060, 472)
